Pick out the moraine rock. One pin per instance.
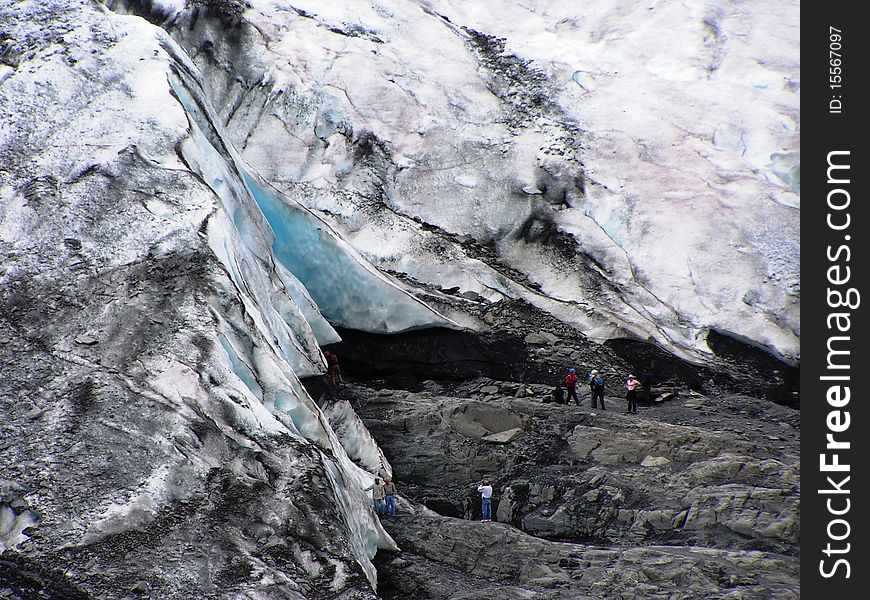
(577, 474)
(490, 560)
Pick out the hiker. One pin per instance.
(646, 381)
(378, 495)
(571, 386)
(390, 496)
(485, 500)
(596, 388)
(632, 385)
(334, 370)
(558, 395)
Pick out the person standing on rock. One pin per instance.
(571, 386)
(390, 496)
(332, 364)
(596, 388)
(378, 495)
(632, 385)
(646, 381)
(485, 500)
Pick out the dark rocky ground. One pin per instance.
(450, 558)
(696, 496)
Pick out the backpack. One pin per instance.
(597, 383)
(570, 380)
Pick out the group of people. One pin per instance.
(384, 491)
(384, 496)
(634, 387)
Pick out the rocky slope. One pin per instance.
(723, 472)
(693, 497)
(477, 561)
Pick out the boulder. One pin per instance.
(504, 437)
(654, 461)
(542, 338)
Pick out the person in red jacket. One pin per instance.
(334, 371)
(571, 386)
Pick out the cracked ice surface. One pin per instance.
(268, 380)
(130, 188)
(326, 273)
(663, 139)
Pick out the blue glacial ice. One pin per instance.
(348, 290)
(290, 273)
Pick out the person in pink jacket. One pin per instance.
(632, 385)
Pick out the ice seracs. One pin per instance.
(672, 168)
(182, 359)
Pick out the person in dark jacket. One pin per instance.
(558, 395)
(334, 371)
(646, 381)
(571, 386)
(596, 388)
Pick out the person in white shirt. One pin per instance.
(486, 500)
(379, 496)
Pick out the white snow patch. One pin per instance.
(134, 513)
(466, 180)
(12, 526)
(356, 439)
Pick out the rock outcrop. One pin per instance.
(490, 560)
(715, 479)
(672, 473)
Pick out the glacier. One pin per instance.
(195, 202)
(261, 308)
(423, 126)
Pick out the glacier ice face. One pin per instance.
(274, 382)
(170, 264)
(165, 341)
(667, 168)
(346, 289)
(303, 303)
(356, 439)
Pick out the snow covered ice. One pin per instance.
(660, 139)
(254, 325)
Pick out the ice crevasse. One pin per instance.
(295, 277)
